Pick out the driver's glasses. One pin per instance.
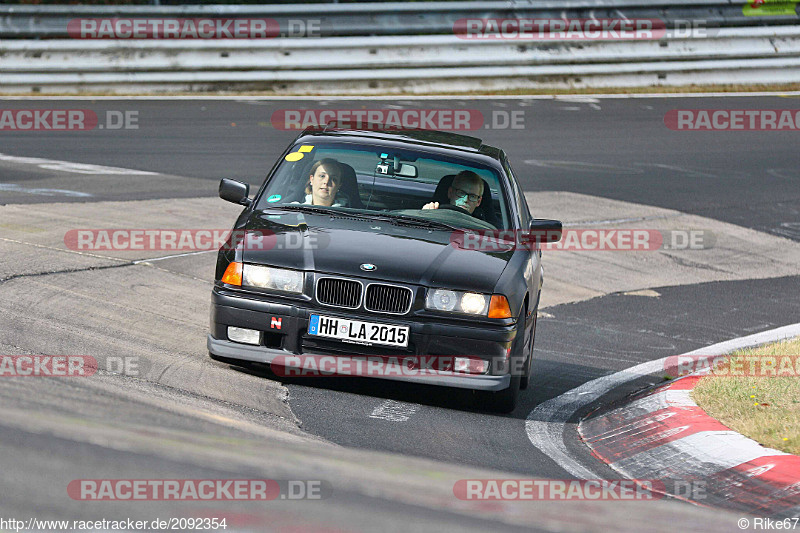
(471, 197)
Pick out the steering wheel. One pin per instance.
(463, 211)
(455, 208)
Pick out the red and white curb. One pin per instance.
(546, 424)
(663, 434)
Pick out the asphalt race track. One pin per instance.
(387, 452)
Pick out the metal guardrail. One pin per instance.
(390, 53)
(418, 60)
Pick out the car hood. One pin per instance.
(402, 254)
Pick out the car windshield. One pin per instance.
(377, 181)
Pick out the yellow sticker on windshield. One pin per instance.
(300, 153)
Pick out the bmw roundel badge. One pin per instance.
(369, 267)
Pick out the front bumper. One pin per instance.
(284, 333)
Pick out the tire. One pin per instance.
(526, 377)
(505, 401)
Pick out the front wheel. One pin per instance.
(504, 401)
(526, 377)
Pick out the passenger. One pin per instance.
(324, 183)
(465, 192)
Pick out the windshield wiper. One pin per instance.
(425, 222)
(334, 213)
(394, 219)
(306, 208)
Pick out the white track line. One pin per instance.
(394, 411)
(546, 424)
(15, 187)
(396, 97)
(140, 261)
(75, 168)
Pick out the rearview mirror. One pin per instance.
(234, 191)
(544, 230)
(407, 171)
(388, 167)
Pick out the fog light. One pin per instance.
(244, 336)
(470, 365)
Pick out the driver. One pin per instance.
(324, 183)
(465, 192)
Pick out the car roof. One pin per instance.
(427, 138)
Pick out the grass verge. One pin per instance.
(763, 408)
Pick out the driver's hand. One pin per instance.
(431, 205)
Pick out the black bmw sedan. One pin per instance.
(404, 255)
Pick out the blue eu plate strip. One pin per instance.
(313, 325)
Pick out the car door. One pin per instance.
(533, 269)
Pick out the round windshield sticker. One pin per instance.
(274, 198)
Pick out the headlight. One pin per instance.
(474, 304)
(470, 303)
(276, 279)
(442, 300)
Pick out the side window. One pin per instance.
(522, 204)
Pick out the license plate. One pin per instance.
(356, 331)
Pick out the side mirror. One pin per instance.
(543, 230)
(234, 191)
